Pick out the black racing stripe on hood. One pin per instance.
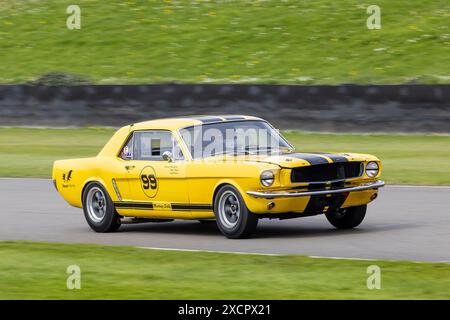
(313, 159)
(335, 157)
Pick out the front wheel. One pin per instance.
(232, 216)
(347, 218)
(99, 209)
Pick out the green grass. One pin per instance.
(408, 159)
(138, 41)
(38, 271)
(31, 152)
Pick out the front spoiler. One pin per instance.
(271, 195)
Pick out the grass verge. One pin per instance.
(407, 159)
(155, 41)
(38, 271)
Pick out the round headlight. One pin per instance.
(267, 178)
(372, 169)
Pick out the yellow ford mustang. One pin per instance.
(234, 169)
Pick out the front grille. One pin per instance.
(327, 172)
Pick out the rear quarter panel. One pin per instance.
(72, 175)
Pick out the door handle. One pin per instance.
(129, 167)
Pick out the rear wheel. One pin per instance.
(99, 209)
(347, 218)
(233, 218)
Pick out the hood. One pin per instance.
(292, 160)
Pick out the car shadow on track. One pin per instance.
(175, 227)
(264, 230)
(328, 231)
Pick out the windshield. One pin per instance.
(234, 137)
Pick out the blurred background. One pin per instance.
(231, 41)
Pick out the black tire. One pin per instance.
(110, 220)
(236, 224)
(347, 218)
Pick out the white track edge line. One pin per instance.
(213, 251)
(286, 254)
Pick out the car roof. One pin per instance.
(187, 121)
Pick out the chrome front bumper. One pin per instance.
(271, 195)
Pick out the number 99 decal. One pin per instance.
(149, 182)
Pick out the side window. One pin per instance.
(127, 151)
(151, 145)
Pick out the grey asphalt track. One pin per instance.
(404, 223)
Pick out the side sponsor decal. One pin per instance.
(162, 206)
(66, 177)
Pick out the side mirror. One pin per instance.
(167, 156)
